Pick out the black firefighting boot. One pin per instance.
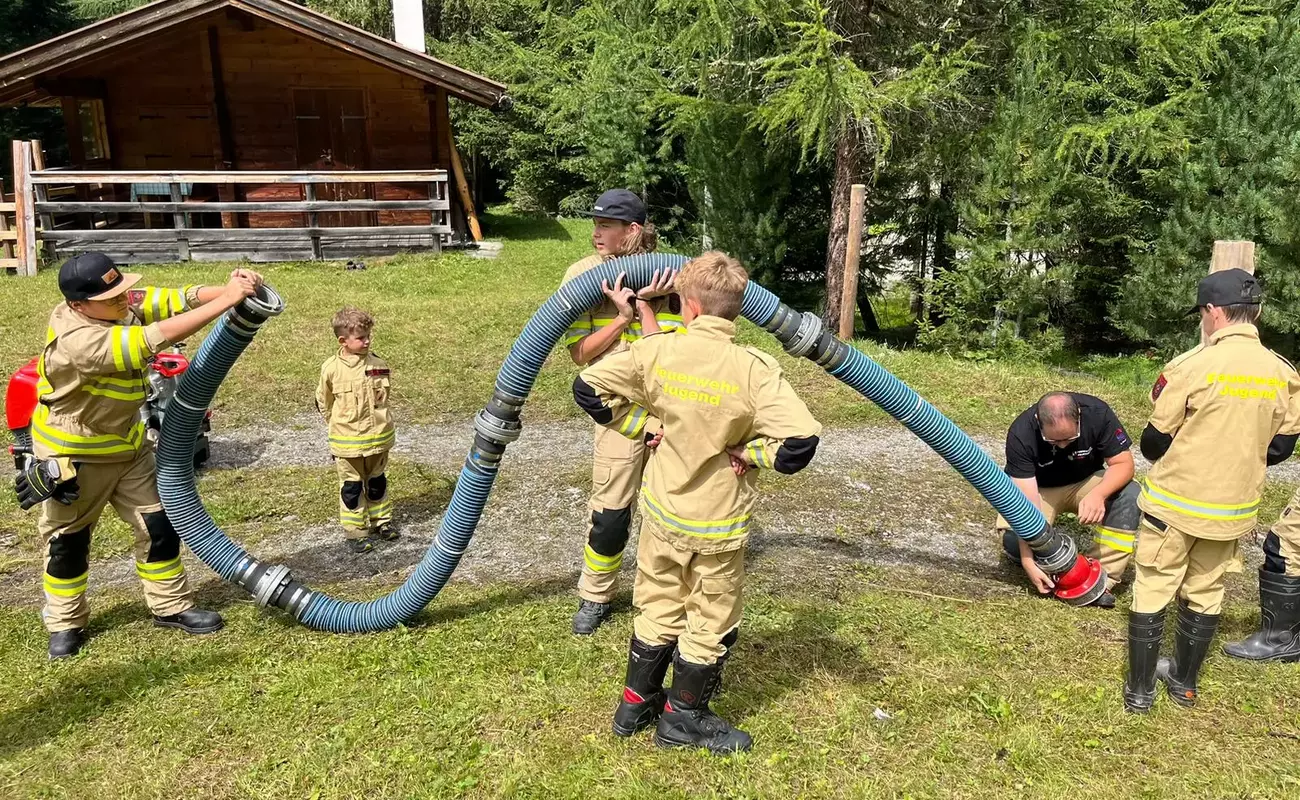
(729, 642)
(388, 532)
(1278, 637)
(66, 644)
(688, 721)
(1144, 634)
(643, 691)
(196, 621)
(1191, 644)
(590, 615)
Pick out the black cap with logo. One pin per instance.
(93, 276)
(1229, 287)
(619, 204)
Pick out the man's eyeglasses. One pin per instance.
(1061, 443)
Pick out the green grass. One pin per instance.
(488, 696)
(446, 323)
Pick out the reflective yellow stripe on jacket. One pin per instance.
(1196, 508)
(704, 529)
(129, 348)
(159, 304)
(70, 444)
(361, 442)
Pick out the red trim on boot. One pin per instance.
(668, 706)
(630, 696)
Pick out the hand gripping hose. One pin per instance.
(1079, 580)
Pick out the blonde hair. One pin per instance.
(640, 241)
(717, 281)
(351, 321)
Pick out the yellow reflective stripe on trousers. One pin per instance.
(634, 422)
(357, 518)
(160, 570)
(66, 587)
(703, 529)
(1196, 508)
(1116, 540)
(598, 563)
(384, 508)
(71, 444)
(363, 441)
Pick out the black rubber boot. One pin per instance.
(1278, 638)
(729, 641)
(196, 621)
(1192, 642)
(643, 691)
(66, 644)
(688, 721)
(590, 615)
(1144, 634)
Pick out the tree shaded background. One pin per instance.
(1043, 176)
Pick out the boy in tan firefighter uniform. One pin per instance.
(723, 407)
(625, 316)
(1223, 411)
(1278, 638)
(353, 395)
(89, 445)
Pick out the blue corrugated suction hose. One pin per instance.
(497, 425)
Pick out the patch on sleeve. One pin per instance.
(1121, 435)
(1159, 386)
(135, 297)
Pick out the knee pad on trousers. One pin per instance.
(351, 494)
(377, 487)
(1273, 560)
(609, 530)
(69, 555)
(164, 542)
(1122, 512)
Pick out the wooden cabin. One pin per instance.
(243, 128)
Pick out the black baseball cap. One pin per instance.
(1228, 287)
(619, 204)
(93, 276)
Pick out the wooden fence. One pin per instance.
(246, 215)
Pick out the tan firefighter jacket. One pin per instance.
(91, 377)
(709, 394)
(353, 397)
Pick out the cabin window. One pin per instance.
(94, 129)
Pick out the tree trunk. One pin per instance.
(849, 158)
(870, 324)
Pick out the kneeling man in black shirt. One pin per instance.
(1070, 454)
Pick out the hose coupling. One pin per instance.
(805, 337)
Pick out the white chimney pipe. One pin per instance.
(408, 24)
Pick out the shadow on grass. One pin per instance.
(771, 664)
(520, 228)
(83, 692)
(228, 454)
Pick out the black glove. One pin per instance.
(40, 480)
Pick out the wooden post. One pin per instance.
(852, 252)
(24, 212)
(6, 247)
(1233, 255)
(462, 186)
(313, 222)
(1239, 254)
(180, 222)
(40, 194)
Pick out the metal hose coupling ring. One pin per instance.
(496, 429)
(251, 312)
(805, 338)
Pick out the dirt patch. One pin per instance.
(875, 498)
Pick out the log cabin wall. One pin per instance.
(292, 102)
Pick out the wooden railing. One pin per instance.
(8, 232)
(247, 213)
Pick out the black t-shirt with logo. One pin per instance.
(1101, 436)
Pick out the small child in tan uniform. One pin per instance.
(353, 396)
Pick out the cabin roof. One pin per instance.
(25, 75)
